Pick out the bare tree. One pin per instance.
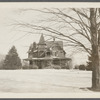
(80, 28)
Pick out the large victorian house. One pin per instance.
(47, 53)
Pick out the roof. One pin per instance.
(48, 44)
(48, 58)
(56, 43)
(41, 41)
(30, 48)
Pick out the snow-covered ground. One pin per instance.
(44, 81)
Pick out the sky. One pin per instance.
(12, 35)
(9, 35)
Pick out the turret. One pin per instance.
(42, 41)
(41, 44)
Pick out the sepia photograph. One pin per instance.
(50, 49)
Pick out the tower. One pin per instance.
(41, 41)
(41, 44)
(41, 47)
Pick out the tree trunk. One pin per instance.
(95, 51)
(96, 69)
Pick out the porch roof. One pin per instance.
(48, 58)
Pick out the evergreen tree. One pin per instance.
(12, 61)
(89, 63)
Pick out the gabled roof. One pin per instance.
(32, 47)
(41, 41)
(56, 43)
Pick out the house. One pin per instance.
(47, 53)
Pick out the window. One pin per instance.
(31, 62)
(48, 53)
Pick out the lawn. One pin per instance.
(44, 81)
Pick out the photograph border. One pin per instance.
(76, 97)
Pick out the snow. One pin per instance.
(44, 81)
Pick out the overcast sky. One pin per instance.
(10, 35)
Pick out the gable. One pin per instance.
(51, 43)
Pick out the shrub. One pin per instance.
(76, 67)
(33, 66)
(89, 66)
(56, 67)
(67, 67)
(82, 67)
(53, 66)
(49, 67)
(63, 66)
(25, 67)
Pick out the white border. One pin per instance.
(54, 5)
